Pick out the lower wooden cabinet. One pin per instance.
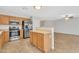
(41, 40)
(34, 38)
(6, 36)
(31, 37)
(21, 34)
(1, 40)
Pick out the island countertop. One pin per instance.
(40, 31)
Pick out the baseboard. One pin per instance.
(65, 33)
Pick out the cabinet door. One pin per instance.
(6, 36)
(40, 41)
(4, 19)
(12, 18)
(31, 37)
(1, 19)
(1, 40)
(24, 19)
(35, 38)
(18, 19)
(21, 34)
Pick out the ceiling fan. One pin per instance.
(68, 17)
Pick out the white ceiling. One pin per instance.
(46, 12)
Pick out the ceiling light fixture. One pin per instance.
(66, 17)
(37, 7)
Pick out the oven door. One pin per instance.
(14, 34)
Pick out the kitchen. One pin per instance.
(13, 28)
(30, 29)
(41, 28)
(19, 29)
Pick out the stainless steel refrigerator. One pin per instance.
(27, 26)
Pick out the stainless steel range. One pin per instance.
(14, 32)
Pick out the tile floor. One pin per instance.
(63, 44)
(19, 46)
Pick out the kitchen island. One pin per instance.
(41, 39)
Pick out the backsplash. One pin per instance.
(6, 27)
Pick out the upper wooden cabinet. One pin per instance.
(25, 19)
(19, 19)
(15, 18)
(4, 19)
(12, 18)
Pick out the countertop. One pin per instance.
(4, 29)
(40, 31)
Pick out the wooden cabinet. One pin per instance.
(18, 19)
(4, 19)
(1, 40)
(21, 34)
(41, 40)
(12, 18)
(6, 36)
(31, 37)
(34, 38)
(25, 19)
